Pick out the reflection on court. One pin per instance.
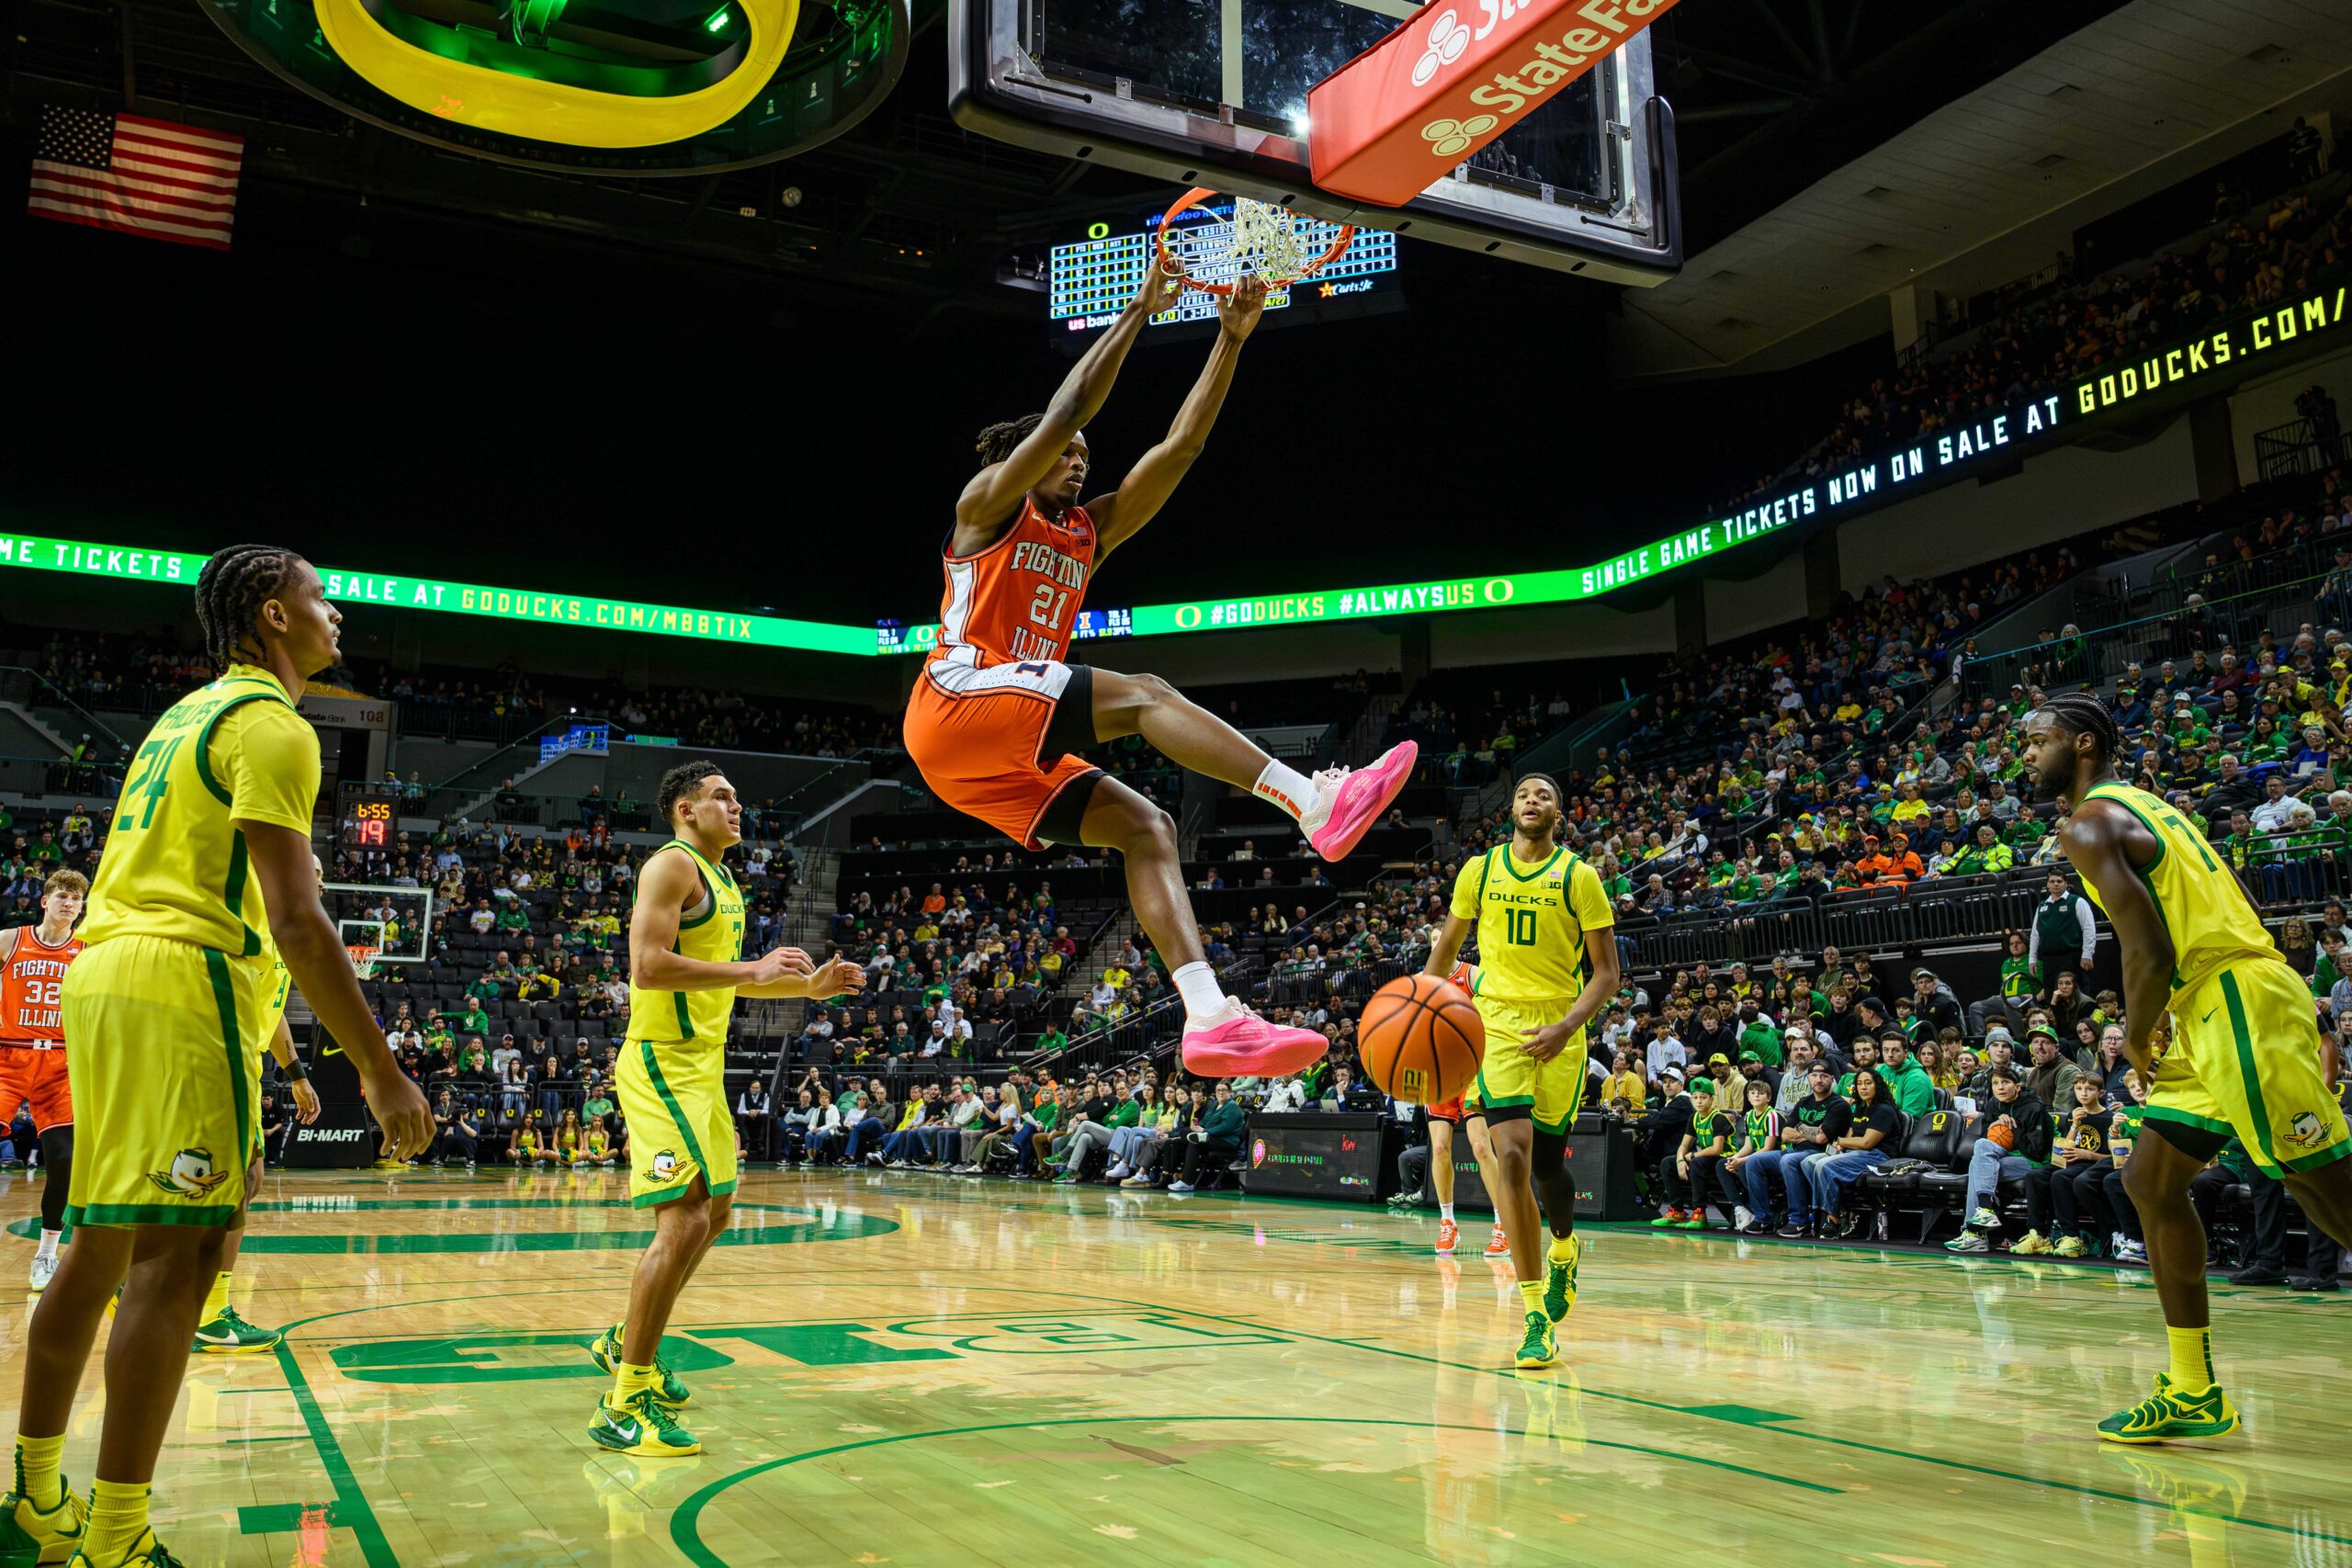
(919, 1370)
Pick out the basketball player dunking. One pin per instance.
(997, 717)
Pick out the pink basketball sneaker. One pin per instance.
(1237, 1043)
(1351, 802)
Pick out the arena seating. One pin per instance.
(2254, 251)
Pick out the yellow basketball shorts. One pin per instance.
(162, 1046)
(674, 1097)
(1507, 1076)
(2244, 1060)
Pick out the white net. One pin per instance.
(1258, 238)
(395, 921)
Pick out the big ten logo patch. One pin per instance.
(529, 1357)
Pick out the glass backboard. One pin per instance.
(1214, 93)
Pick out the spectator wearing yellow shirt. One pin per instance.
(1911, 807)
(1623, 1090)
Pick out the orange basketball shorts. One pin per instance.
(38, 1075)
(976, 732)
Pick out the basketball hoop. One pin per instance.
(1272, 243)
(363, 960)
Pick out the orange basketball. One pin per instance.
(1420, 1038)
(2001, 1133)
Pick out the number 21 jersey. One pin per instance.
(1016, 601)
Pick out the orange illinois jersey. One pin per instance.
(1016, 601)
(32, 977)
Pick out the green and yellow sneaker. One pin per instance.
(1560, 1279)
(150, 1554)
(1540, 1349)
(29, 1537)
(230, 1335)
(644, 1426)
(606, 1353)
(2168, 1415)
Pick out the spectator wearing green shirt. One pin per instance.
(1914, 1092)
(1758, 1035)
(1052, 1040)
(2021, 981)
(1986, 855)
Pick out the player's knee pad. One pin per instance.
(57, 1147)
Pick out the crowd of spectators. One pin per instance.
(2254, 253)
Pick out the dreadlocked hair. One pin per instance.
(2079, 712)
(230, 592)
(677, 785)
(996, 443)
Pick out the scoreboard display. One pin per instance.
(370, 818)
(1089, 280)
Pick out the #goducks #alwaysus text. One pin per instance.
(1554, 62)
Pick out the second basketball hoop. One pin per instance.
(1217, 240)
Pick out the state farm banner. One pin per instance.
(1398, 116)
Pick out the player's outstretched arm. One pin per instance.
(667, 883)
(2093, 840)
(830, 978)
(1145, 490)
(288, 879)
(990, 501)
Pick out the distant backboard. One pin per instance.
(1214, 93)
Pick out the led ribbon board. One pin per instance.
(2149, 382)
(131, 564)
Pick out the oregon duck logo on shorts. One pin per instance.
(666, 1166)
(2306, 1130)
(191, 1175)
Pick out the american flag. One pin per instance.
(141, 176)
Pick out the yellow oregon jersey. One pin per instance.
(1532, 921)
(2204, 910)
(714, 934)
(175, 864)
(281, 988)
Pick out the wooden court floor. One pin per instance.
(917, 1370)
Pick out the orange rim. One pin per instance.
(1199, 193)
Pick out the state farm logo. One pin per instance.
(1447, 39)
(1449, 137)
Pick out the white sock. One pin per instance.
(1288, 788)
(47, 1249)
(1446, 1212)
(1203, 996)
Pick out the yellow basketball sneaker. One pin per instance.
(606, 1353)
(643, 1426)
(1539, 1348)
(2168, 1415)
(29, 1537)
(1560, 1278)
(150, 1554)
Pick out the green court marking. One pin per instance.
(350, 1503)
(809, 1227)
(466, 1358)
(685, 1525)
(324, 1440)
(1709, 1412)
